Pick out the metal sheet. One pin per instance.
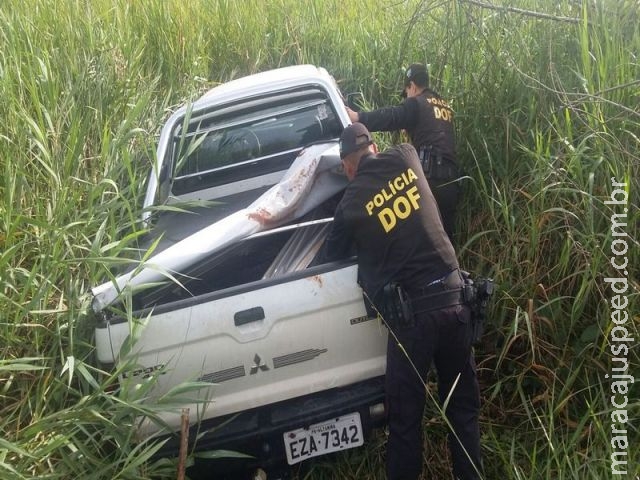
(313, 177)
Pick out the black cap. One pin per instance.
(353, 138)
(417, 73)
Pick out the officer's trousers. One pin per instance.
(446, 193)
(444, 337)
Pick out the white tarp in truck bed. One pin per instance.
(313, 178)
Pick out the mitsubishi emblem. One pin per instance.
(258, 364)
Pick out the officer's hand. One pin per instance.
(353, 116)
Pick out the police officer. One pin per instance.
(388, 212)
(428, 120)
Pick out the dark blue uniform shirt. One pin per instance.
(388, 211)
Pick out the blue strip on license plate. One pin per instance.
(330, 436)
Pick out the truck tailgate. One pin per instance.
(258, 346)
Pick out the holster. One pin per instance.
(435, 166)
(393, 304)
(477, 295)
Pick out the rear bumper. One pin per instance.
(259, 432)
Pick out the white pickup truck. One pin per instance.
(293, 364)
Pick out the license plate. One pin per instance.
(336, 434)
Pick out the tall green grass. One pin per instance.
(547, 112)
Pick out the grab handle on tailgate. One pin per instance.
(247, 316)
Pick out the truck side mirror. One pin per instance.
(355, 101)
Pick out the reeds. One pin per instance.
(547, 112)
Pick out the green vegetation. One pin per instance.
(547, 112)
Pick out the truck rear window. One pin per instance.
(255, 137)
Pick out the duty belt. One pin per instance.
(438, 300)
